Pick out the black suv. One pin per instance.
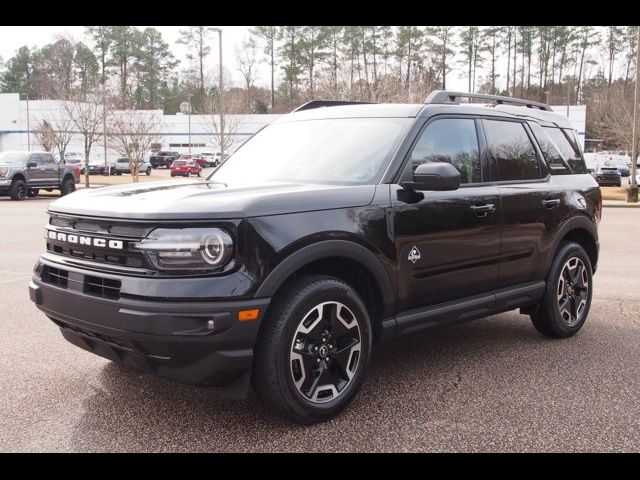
(163, 159)
(329, 232)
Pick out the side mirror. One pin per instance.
(436, 176)
(32, 164)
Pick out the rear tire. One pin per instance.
(68, 186)
(313, 349)
(148, 171)
(565, 305)
(18, 190)
(33, 192)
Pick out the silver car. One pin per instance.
(122, 166)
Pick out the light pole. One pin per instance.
(28, 119)
(221, 96)
(185, 108)
(632, 193)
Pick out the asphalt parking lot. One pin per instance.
(490, 385)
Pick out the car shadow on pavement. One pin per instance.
(413, 379)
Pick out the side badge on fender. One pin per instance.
(414, 254)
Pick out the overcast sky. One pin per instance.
(12, 38)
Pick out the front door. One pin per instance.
(447, 243)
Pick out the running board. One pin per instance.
(468, 309)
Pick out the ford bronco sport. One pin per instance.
(329, 232)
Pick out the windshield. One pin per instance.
(334, 151)
(179, 163)
(13, 158)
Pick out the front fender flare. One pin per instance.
(326, 249)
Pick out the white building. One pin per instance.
(177, 132)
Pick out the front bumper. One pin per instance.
(171, 339)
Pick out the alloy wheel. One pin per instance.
(573, 291)
(325, 352)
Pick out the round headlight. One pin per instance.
(217, 248)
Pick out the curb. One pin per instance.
(619, 204)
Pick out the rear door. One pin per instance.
(532, 204)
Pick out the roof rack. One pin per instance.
(325, 103)
(446, 97)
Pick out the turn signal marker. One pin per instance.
(248, 315)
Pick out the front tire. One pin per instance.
(33, 192)
(148, 171)
(313, 350)
(18, 190)
(565, 305)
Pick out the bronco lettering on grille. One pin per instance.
(85, 240)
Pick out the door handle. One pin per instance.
(483, 210)
(551, 203)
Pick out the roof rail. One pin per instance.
(325, 103)
(447, 97)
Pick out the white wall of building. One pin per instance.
(173, 132)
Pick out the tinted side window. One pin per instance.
(512, 150)
(549, 149)
(451, 140)
(568, 145)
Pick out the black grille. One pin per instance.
(102, 287)
(125, 232)
(55, 276)
(100, 227)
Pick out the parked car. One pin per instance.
(95, 168)
(122, 166)
(73, 158)
(163, 159)
(608, 176)
(200, 160)
(23, 174)
(637, 177)
(185, 168)
(327, 234)
(210, 159)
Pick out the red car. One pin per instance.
(185, 168)
(199, 159)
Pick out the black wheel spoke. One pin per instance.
(325, 377)
(574, 307)
(578, 275)
(341, 358)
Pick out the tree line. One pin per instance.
(554, 64)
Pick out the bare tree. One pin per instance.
(55, 133)
(233, 104)
(247, 62)
(612, 114)
(44, 135)
(87, 117)
(131, 133)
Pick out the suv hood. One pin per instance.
(203, 199)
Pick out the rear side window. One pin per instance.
(567, 143)
(450, 140)
(512, 150)
(45, 159)
(551, 152)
